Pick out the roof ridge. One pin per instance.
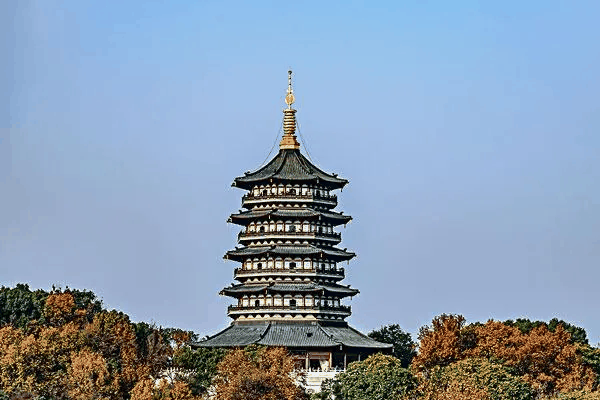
(305, 164)
(262, 335)
(331, 337)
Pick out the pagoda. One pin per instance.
(289, 291)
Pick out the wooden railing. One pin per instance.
(261, 308)
(299, 270)
(290, 196)
(258, 234)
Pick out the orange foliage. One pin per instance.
(69, 357)
(88, 376)
(546, 360)
(253, 374)
(440, 344)
(59, 307)
(146, 389)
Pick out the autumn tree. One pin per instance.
(404, 348)
(549, 361)
(443, 343)
(63, 345)
(257, 373)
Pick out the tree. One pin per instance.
(203, 362)
(379, 377)
(404, 346)
(578, 334)
(257, 373)
(19, 305)
(443, 343)
(549, 361)
(61, 346)
(473, 379)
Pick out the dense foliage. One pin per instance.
(257, 373)
(65, 345)
(404, 348)
(550, 361)
(379, 377)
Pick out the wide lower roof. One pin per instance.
(331, 288)
(297, 250)
(289, 165)
(243, 218)
(292, 336)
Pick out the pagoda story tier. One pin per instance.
(302, 251)
(262, 270)
(277, 217)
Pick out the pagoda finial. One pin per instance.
(289, 119)
(289, 98)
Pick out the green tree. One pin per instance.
(20, 305)
(404, 346)
(203, 362)
(379, 377)
(475, 379)
(578, 334)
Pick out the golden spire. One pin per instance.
(289, 120)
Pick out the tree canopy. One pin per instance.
(404, 347)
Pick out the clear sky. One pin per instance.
(469, 131)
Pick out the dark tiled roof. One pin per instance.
(292, 336)
(301, 335)
(290, 287)
(289, 165)
(302, 250)
(300, 213)
(235, 335)
(353, 338)
(243, 289)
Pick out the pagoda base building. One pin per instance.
(289, 291)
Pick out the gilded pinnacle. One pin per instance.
(289, 140)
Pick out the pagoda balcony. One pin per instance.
(339, 272)
(332, 236)
(326, 198)
(342, 310)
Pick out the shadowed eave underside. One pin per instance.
(331, 288)
(299, 250)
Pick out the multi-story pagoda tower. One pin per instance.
(289, 291)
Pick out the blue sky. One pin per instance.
(468, 131)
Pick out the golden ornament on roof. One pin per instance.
(289, 99)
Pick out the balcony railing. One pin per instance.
(299, 270)
(295, 234)
(262, 308)
(289, 196)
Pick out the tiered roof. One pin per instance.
(289, 166)
(298, 250)
(245, 217)
(275, 288)
(318, 322)
(292, 336)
